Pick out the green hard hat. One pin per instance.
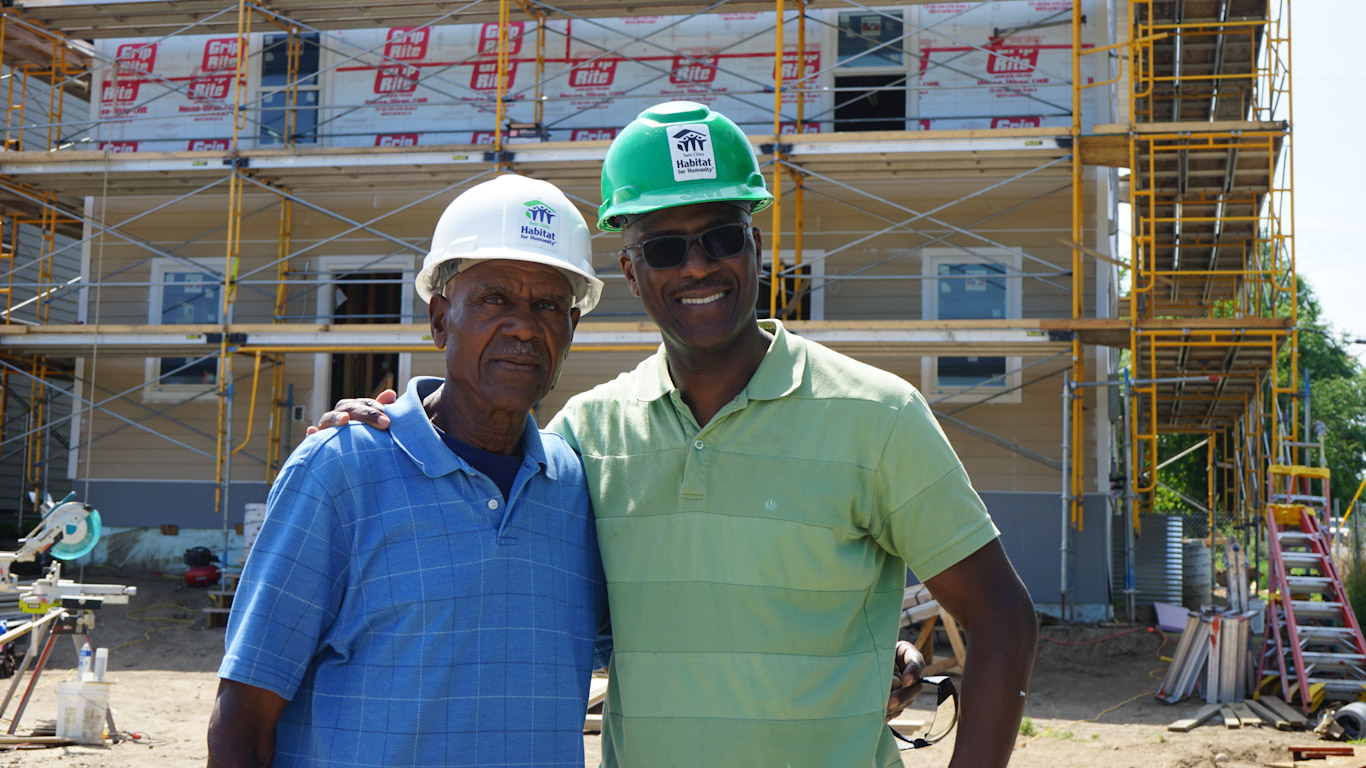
(678, 153)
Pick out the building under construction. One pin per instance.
(1068, 223)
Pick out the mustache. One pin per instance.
(521, 350)
(700, 285)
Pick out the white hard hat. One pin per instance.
(517, 218)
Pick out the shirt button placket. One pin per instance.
(695, 470)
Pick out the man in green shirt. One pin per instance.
(758, 498)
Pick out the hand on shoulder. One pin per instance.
(363, 409)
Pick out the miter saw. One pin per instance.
(68, 530)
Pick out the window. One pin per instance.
(870, 39)
(183, 295)
(282, 123)
(971, 286)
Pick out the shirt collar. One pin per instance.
(780, 372)
(417, 436)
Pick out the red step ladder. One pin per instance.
(1313, 643)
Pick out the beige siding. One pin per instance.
(193, 228)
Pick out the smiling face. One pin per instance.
(703, 306)
(506, 328)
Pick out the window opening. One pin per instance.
(275, 108)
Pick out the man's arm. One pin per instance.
(242, 726)
(983, 593)
(287, 601)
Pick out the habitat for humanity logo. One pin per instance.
(690, 141)
(691, 153)
(539, 230)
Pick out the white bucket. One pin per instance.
(80, 711)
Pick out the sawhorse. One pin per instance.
(44, 632)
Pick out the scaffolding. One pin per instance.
(1212, 238)
(1206, 143)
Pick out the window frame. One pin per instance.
(153, 390)
(307, 83)
(931, 259)
(873, 64)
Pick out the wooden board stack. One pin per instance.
(1266, 711)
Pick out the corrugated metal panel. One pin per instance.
(1157, 560)
(1195, 575)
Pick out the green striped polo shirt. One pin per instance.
(755, 566)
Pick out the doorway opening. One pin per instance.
(365, 298)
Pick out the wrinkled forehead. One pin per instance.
(511, 272)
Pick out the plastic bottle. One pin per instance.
(83, 666)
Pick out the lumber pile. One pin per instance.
(1267, 711)
(1213, 652)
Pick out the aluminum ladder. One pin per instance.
(1313, 643)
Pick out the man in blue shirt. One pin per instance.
(430, 594)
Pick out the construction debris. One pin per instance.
(1245, 714)
(1253, 713)
(1189, 723)
(1268, 716)
(1227, 666)
(1328, 728)
(1319, 751)
(1218, 646)
(1294, 717)
(1214, 642)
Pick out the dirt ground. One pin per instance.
(1089, 704)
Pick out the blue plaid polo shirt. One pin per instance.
(412, 617)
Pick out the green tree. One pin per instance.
(1337, 393)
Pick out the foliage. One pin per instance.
(1187, 474)
(1027, 727)
(1337, 394)
(1341, 405)
(1355, 584)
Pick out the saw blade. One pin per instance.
(80, 531)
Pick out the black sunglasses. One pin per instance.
(667, 251)
(944, 719)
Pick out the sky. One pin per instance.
(1329, 102)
